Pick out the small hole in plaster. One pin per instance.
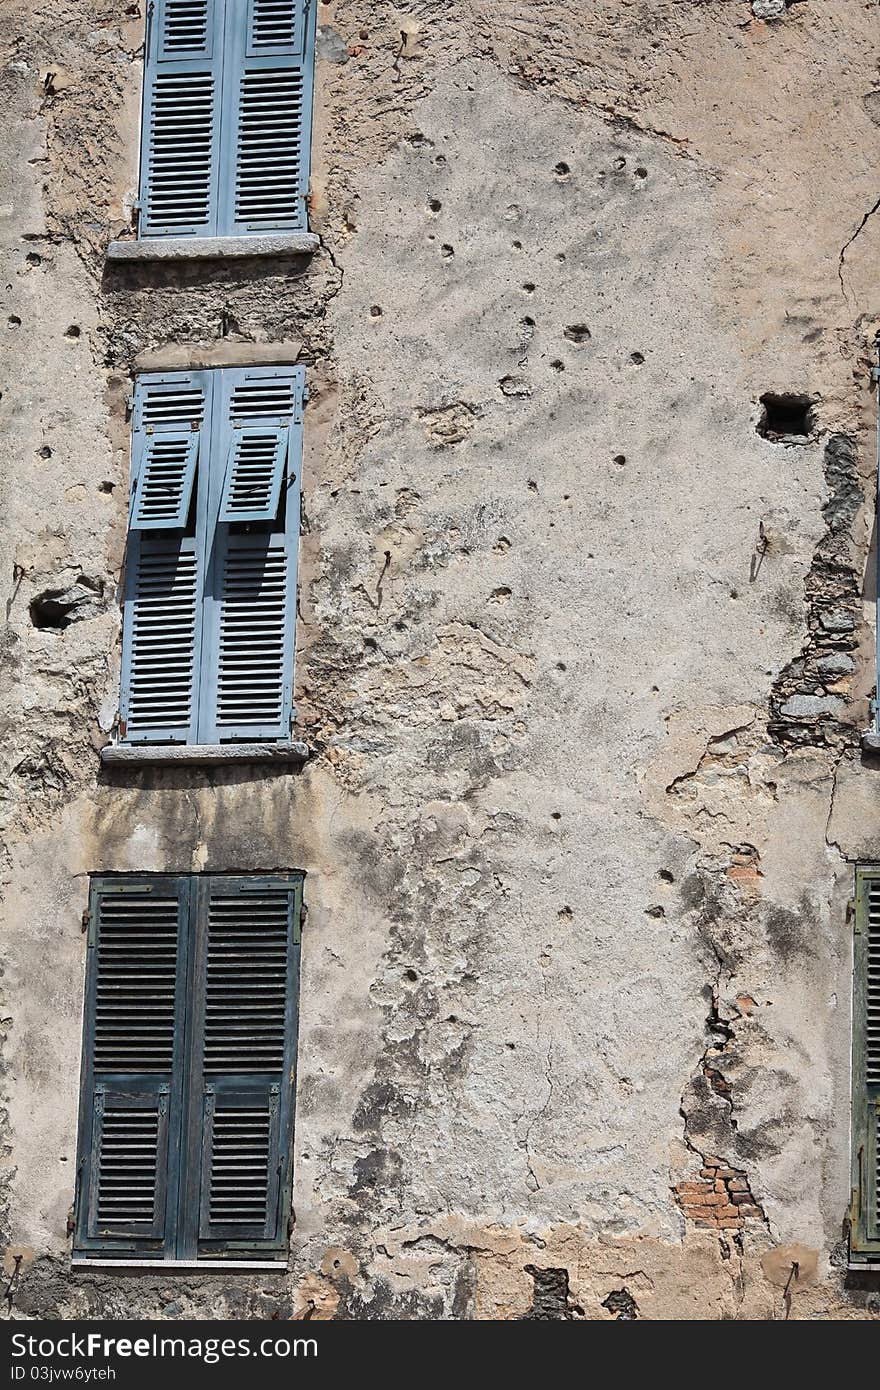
(446, 251)
(106, 487)
(73, 331)
(562, 171)
(528, 287)
(557, 365)
(637, 358)
(577, 332)
(434, 205)
(641, 173)
(375, 311)
(620, 459)
(14, 321)
(45, 452)
(785, 415)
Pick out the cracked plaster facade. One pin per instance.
(578, 870)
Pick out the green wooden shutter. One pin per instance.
(250, 602)
(267, 116)
(180, 150)
(243, 1057)
(865, 1229)
(132, 1066)
(165, 563)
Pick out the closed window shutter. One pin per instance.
(244, 1034)
(865, 1233)
(180, 153)
(131, 1065)
(162, 620)
(267, 116)
(250, 604)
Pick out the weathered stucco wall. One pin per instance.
(583, 804)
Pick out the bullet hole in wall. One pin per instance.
(528, 287)
(45, 452)
(562, 172)
(786, 415)
(577, 333)
(667, 875)
(446, 251)
(556, 815)
(620, 459)
(375, 311)
(106, 487)
(411, 975)
(532, 485)
(14, 321)
(641, 173)
(637, 358)
(73, 331)
(434, 205)
(34, 258)
(517, 245)
(620, 163)
(557, 365)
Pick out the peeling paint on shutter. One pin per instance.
(131, 1063)
(250, 606)
(180, 151)
(865, 1232)
(246, 1030)
(267, 117)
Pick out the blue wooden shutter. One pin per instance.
(164, 584)
(132, 1066)
(244, 1041)
(250, 602)
(865, 1232)
(180, 147)
(255, 467)
(267, 116)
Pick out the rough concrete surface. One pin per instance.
(583, 659)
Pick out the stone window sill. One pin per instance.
(201, 754)
(167, 1266)
(213, 248)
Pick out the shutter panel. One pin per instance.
(169, 413)
(164, 580)
(165, 467)
(180, 150)
(267, 117)
(245, 1033)
(250, 606)
(255, 467)
(131, 1064)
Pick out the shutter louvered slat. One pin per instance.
(254, 474)
(276, 24)
(136, 982)
(185, 28)
(181, 125)
(132, 1039)
(254, 622)
(246, 982)
(872, 989)
(165, 478)
(160, 641)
